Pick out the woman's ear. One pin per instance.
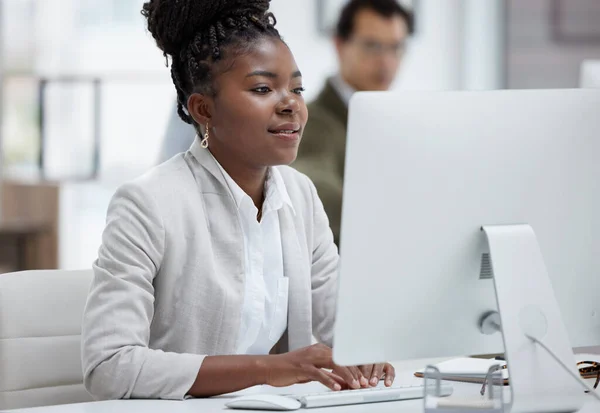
(200, 108)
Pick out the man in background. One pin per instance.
(370, 40)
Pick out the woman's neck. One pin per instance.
(252, 183)
(251, 180)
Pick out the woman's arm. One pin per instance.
(226, 374)
(116, 360)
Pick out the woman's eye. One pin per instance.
(262, 90)
(299, 90)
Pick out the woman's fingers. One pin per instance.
(315, 363)
(330, 380)
(376, 375)
(390, 374)
(363, 380)
(319, 357)
(337, 378)
(349, 376)
(367, 370)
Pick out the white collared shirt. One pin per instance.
(343, 89)
(265, 308)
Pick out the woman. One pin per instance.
(218, 257)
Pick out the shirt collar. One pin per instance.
(276, 194)
(343, 89)
(276, 184)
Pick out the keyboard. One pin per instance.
(372, 395)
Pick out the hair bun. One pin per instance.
(174, 23)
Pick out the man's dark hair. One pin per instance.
(197, 34)
(385, 8)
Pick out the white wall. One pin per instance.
(485, 44)
(535, 60)
(435, 57)
(82, 218)
(314, 52)
(590, 74)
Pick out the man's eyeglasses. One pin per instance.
(375, 48)
(587, 370)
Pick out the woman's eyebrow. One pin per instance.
(271, 75)
(263, 73)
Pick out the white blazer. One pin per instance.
(169, 279)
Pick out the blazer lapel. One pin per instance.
(227, 244)
(296, 267)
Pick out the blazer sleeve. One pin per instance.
(324, 274)
(117, 362)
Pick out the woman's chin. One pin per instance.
(286, 157)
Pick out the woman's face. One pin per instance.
(258, 114)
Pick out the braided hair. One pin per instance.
(196, 34)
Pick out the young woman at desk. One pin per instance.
(217, 266)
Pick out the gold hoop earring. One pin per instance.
(204, 142)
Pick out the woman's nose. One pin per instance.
(289, 104)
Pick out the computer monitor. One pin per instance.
(590, 74)
(425, 171)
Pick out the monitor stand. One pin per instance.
(527, 306)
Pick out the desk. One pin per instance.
(404, 374)
(30, 216)
(23, 238)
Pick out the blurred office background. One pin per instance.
(86, 96)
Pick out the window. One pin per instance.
(77, 71)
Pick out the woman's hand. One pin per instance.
(312, 364)
(369, 375)
(375, 372)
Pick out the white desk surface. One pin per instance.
(404, 376)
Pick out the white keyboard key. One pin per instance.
(373, 395)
